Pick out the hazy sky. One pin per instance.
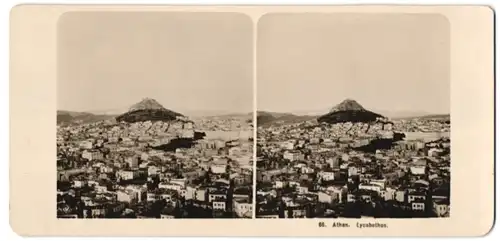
(186, 61)
(391, 62)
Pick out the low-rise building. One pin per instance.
(127, 196)
(326, 176)
(216, 195)
(295, 212)
(219, 204)
(293, 156)
(127, 174)
(92, 155)
(415, 196)
(442, 208)
(418, 206)
(243, 207)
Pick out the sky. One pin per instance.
(188, 62)
(309, 62)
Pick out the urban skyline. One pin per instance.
(173, 133)
(152, 159)
(353, 160)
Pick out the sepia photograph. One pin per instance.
(353, 116)
(154, 115)
(269, 121)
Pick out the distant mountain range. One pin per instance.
(426, 117)
(149, 109)
(84, 117)
(390, 114)
(265, 118)
(146, 109)
(347, 111)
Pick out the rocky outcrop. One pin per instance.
(148, 110)
(349, 111)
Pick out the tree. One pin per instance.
(207, 178)
(310, 210)
(289, 213)
(178, 170)
(229, 200)
(353, 209)
(153, 184)
(318, 180)
(282, 209)
(155, 208)
(129, 215)
(378, 171)
(405, 179)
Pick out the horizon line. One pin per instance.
(402, 114)
(214, 112)
(313, 113)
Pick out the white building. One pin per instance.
(278, 184)
(288, 145)
(306, 170)
(371, 187)
(144, 156)
(170, 186)
(418, 206)
(415, 197)
(442, 208)
(101, 189)
(179, 181)
(92, 155)
(417, 170)
(218, 169)
(380, 183)
(140, 191)
(78, 183)
(302, 189)
(190, 193)
(327, 176)
(219, 205)
(389, 194)
(293, 156)
(127, 174)
(216, 196)
(152, 170)
(243, 208)
(86, 144)
(200, 194)
(338, 193)
(152, 196)
(352, 171)
(127, 196)
(325, 197)
(133, 162)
